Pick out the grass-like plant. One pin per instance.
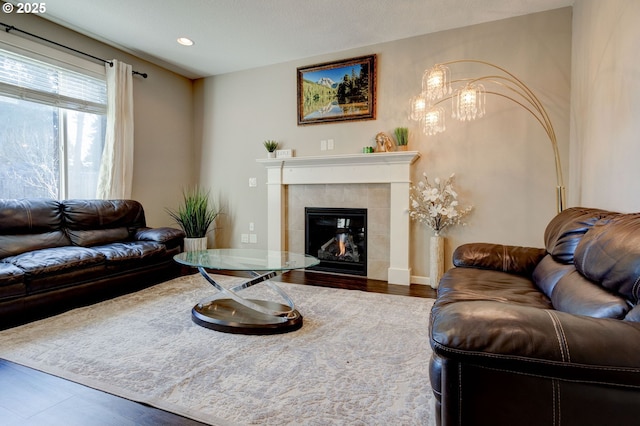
(196, 214)
(402, 135)
(271, 145)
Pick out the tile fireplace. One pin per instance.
(354, 174)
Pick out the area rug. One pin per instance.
(359, 359)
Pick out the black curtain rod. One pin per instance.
(9, 28)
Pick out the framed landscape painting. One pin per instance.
(337, 91)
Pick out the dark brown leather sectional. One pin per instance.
(526, 336)
(56, 255)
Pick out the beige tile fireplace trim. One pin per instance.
(392, 168)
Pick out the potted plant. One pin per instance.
(402, 138)
(271, 148)
(195, 216)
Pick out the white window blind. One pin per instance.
(26, 78)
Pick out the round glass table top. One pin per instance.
(246, 260)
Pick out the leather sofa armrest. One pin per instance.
(541, 342)
(498, 257)
(165, 235)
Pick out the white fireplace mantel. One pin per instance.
(393, 168)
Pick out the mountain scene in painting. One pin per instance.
(336, 92)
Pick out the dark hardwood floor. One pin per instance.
(355, 283)
(29, 397)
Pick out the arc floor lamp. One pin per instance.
(468, 96)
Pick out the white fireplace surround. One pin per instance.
(393, 168)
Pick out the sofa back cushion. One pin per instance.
(30, 224)
(609, 254)
(577, 295)
(98, 222)
(564, 232)
(561, 274)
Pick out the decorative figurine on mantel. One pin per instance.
(383, 143)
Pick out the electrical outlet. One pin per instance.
(252, 226)
(244, 238)
(330, 144)
(253, 182)
(253, 238)
(323, 145)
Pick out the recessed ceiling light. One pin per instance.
(185, 41)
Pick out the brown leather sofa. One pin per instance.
(56, 255)
(526, 336)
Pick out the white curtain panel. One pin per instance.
(116, 168)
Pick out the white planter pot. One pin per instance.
(271, 155)
(195, 244)
(436, 260)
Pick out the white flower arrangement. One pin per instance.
(436, 205)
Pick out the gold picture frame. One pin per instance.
(337, 91)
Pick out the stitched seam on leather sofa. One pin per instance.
(562, 339)
(534, 360)
(555, 384)
(541, 376)
(460, 394)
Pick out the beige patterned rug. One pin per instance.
(359, 359)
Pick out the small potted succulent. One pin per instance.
(271, 147)
(402, 138)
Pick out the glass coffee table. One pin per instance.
(227, 310)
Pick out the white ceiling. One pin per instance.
(232, 35)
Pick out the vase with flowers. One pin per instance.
(436, 205)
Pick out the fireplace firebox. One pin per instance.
(338, 237)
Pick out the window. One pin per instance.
(52, 127)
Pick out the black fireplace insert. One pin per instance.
(338, 237)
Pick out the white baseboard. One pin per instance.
(418, 279)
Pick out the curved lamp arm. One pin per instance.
(526, 99)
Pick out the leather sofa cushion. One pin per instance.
(470, 284)
(609, 254)
(56, 260)
(548, 272)
(11, 245)
(58, 267)
(29, 216)
(131, 251)
(577, 295)
(99, 236)
(564, 232)
(498, 257)
(32, 224)
(11, 281)
(163, 235)
(84, 218)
